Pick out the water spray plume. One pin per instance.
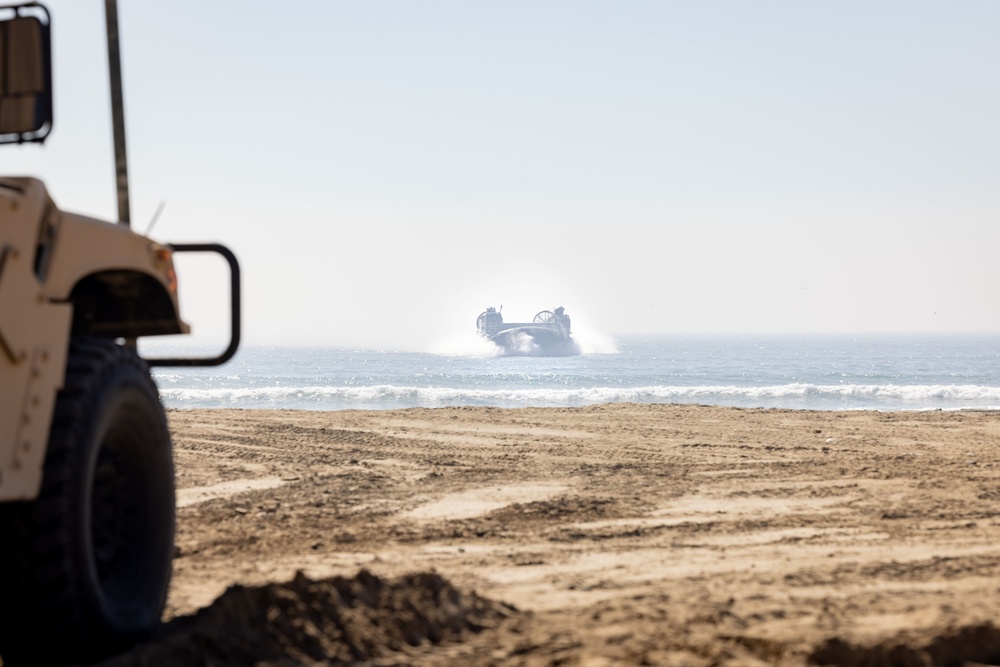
(592, 341)
(465, 344)
(585, 340)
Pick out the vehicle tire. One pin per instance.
(87, 564)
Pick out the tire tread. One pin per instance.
(40, 583)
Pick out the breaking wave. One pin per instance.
(895, 373)
(380, 397)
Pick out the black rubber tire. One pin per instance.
(85, 567)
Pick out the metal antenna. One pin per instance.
(117, 110)
(156, 216)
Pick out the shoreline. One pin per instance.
(589, 405)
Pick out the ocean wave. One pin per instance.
(790, 395)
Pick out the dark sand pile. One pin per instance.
(962, 647)
(326, 622)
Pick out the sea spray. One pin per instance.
(585, 340)
(593, 342)
(466, 344)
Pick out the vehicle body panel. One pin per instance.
(64, 274)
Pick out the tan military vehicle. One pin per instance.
(86, 470)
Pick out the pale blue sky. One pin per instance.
(386, 170)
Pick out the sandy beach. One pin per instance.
(611, 534)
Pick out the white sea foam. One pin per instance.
(389, 396)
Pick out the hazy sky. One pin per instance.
(386, 170)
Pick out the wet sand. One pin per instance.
(619, 534)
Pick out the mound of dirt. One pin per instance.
(330, 621)
(967, 645)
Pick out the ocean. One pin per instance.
(800, 372)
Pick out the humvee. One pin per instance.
(86, 469)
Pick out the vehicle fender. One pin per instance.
(121, 284)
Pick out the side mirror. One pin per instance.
(25, 74)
